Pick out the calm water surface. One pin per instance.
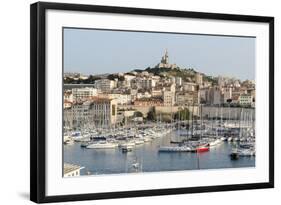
(113, 161)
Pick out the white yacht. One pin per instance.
(66, 137)
(128, 144)
(147, 139)
(139, 141)
(175, 149)
(247, 153)
(102, 145)
(223, 138)
(68, 142)
(215, 142)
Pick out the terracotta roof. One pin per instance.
(100, 99)
(67, 101)
(149, 99)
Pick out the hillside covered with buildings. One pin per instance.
(146, 94)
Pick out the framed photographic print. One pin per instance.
(129, 102)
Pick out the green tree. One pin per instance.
(91, 79)
(229, 100)
(112, 77)
(138, 114)
(182, 114)
(151, 115)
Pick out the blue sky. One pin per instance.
(99, 51)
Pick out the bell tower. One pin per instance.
(165, 58)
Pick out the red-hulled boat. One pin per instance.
(202, 149)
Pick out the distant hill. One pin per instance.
(187, 74)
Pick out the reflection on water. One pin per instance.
(113, 161)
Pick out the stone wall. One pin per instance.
(228, 112)
(159, 109)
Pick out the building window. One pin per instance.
(113, 110)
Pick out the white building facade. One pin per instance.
(168, 98)
(105, 85)
(82, 93)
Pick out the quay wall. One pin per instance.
(233, 113)
(159, 109)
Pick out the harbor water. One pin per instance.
(114, 161)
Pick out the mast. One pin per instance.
(171, 120)
(192, 134)
(216, 122)
(186, 122)
(188, 130)
(197, 154)
(178, 121)
(241, 117)
(201, 121)
(221, 120)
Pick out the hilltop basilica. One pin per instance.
(165, 62)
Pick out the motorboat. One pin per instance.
(139, 141)
(215, 142)
(102, 145)
(237, 153)
(223, 138)
(147, 139)
(229, 139)
(202, 149)
(127, 147)
(175, 149)
(68, 142)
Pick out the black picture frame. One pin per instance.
(38, 100)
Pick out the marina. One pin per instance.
(114, 161)
(179, 145)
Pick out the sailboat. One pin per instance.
(237, 152)
(180, 147)
(202, 147)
